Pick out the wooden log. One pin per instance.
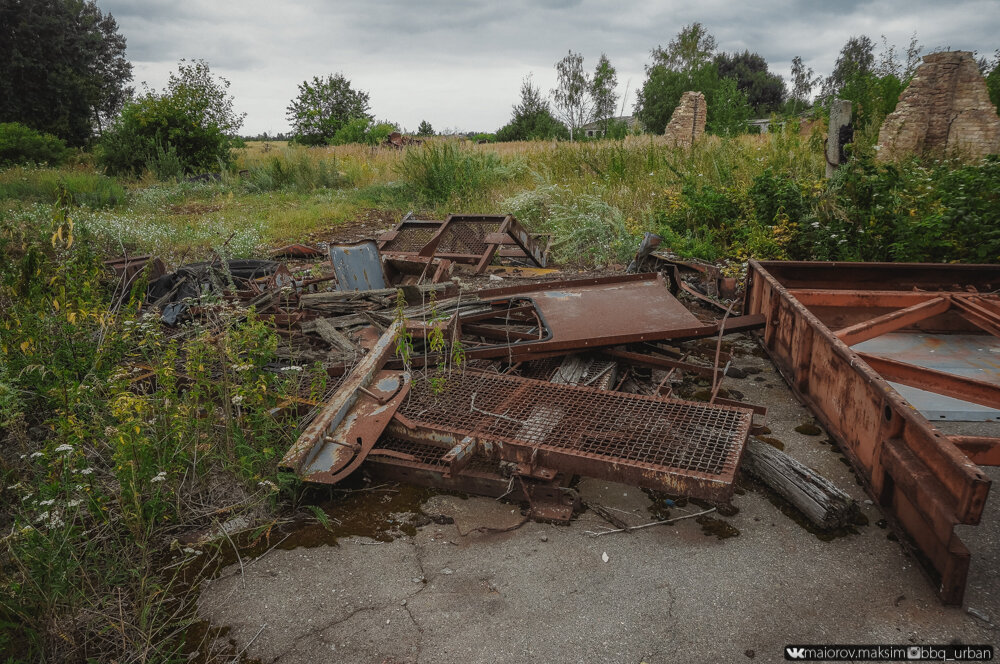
(815, 496)
(328, 331)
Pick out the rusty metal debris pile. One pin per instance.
(448, 381)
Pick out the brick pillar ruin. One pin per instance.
(687, 123)
(945, 109)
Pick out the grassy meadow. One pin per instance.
(102, 483)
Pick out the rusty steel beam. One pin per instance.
(938, 382)
(891, 322)
(655, 362)
(973, 310)
(982, 450)
(923, 482)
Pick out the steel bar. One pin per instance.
(891, 322)
(982, 450)
(932, 380)
(974, 311)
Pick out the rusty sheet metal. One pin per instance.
(918, 476)
(358, 266)
(301, 458)
(545, 429)
(470, 239)
(586, 313)
(967, 355)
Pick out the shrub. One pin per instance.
(191, 123)
(22, 145)
(437, 172)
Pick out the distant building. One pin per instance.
(593, 129)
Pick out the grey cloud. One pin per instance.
(459, 64)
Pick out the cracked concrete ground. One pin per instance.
(667, 593)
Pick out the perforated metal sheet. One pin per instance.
(465, 236)
(647, 441)
(411, 237)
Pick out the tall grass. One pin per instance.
(78, 187)
(443, 172)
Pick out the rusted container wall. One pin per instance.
(911, 469)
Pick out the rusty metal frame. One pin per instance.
(457, 236)
(588, 313)
(925, 481)
(545, 429)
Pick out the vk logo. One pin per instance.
(795, 653)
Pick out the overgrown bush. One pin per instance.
(439, 172)
(75, 187)
(22, 145)
(191, 122)
(293, 170)
(98, 473)
(586, 230)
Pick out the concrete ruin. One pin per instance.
(687, 123)
(946, 109)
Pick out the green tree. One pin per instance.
(803, 81)
(728, 109)
(993, 80)
(425, 129)
(765, 92)
(323, 106)
(191, 123)
(531, 118)
(690, 49)
(603, 86)
(662, 90)
(572, 93)
(62, 67)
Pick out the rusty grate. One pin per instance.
(428, 455)
(411, 238)
(663, 435)
(468, 237)
(543, 369)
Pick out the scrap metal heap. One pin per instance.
(514, 391)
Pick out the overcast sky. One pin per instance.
(459, 64)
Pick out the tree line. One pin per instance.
(65, 80)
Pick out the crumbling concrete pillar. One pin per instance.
(840, 118)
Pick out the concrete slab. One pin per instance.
(453, 593)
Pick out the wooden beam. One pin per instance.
(939, 382)
(891, 322)
(981, 450)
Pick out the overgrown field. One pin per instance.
(102, 481)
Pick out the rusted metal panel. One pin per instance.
(358, 266)
(678, 446)
(919, 477)
(302, 455)
(543, 319)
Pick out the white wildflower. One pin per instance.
(292, 368)
(160, 477)
(815, 224)
(35, 455)
(87, 471)
(64, 448)
(237, 400)
(74, 503)
(46, 503)
(14, 487)
(268, 484)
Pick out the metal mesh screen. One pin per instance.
(639, 431)
(411, 238)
